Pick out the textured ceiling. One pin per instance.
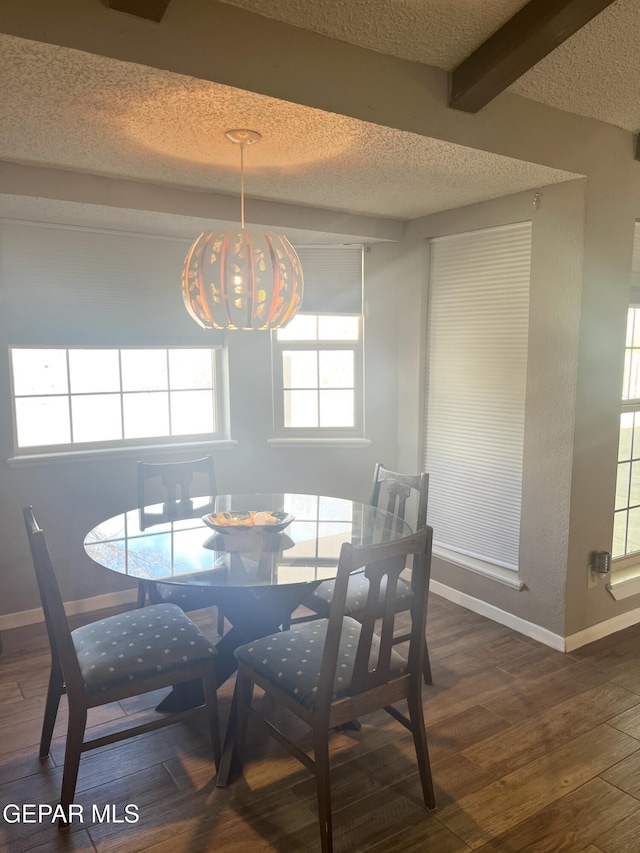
(72, 110)
(595, 73)
(436, 32)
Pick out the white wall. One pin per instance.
(71, 497)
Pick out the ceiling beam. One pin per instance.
(527, 37)
(150, 10)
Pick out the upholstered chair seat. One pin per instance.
(291, 660)
(320, 600)
(187, 597)
(136, 645)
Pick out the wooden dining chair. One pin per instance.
(112, 659)
(330, 671)
(392, 492)
(176, 484)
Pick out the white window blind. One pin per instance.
(332, 279)
(75, 286)
(475, 397)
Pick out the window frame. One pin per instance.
(630, 559)
(356, 347)
(124, 445)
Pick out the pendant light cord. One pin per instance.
(242, 185)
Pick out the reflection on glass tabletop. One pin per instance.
(148, 545)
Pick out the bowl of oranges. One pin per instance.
(235, 521)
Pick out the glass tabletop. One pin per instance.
(161, 543)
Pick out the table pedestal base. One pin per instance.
(253, 612)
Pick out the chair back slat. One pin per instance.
(397, 494)
(62, 648)
(371, 673)
(382, 561)
(398, 489)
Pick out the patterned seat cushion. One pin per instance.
(186, 597)
(138, 644)
(320, 599)
(291, 660)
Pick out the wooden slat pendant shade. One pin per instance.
(242, 280)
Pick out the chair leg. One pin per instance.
(220, 621)
(244, 695)
(323, 788)
(426, 666)
(72, 753)
(142, 594)
(211, 704)
(54, 692)
(233, 747)
(152, 592)
(416, 715)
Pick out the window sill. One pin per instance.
(319, 443)
(506, 577)
(121, 452)
(625, 582)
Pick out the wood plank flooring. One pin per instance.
(532, 750)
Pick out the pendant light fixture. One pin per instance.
(242, 279)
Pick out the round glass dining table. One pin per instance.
(259, 577)
(174, 545)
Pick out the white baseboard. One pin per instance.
(602, 629)
(529, 629)
(537, 632)
(83, 605)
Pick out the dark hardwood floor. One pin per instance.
(532, 750)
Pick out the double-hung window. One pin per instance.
(102, 353)
(318, 357)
